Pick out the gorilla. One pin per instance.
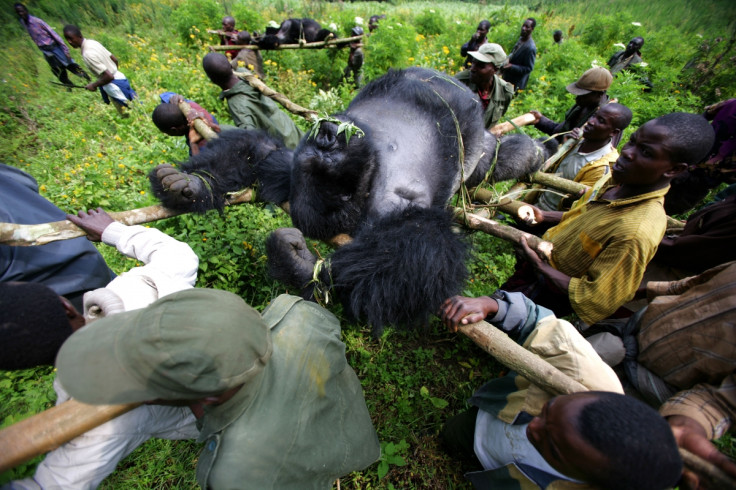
(291, 31)
(383, 172)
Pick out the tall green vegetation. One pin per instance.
(84, 156)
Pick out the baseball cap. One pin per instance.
(187, 345)
(489, 53)
(596, 79)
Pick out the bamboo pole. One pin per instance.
(328, 43)
(24, 235)
(256, 83)
(51, 428)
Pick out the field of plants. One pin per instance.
(84, 156)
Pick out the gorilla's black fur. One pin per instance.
(229, 163)
(415, 136)
(291, 31)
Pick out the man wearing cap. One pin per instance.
(277, 404)
(494, 93)
(590, 91)
(521, 60)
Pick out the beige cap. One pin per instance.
(489, 53)
(594, 80)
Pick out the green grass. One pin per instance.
(84, 156)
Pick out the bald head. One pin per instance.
(621, 115)
(218, 68)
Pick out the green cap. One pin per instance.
(187, 345)
(490, 53)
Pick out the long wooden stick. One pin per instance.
(509, 233)
(25, 235)
(507, 126)
(201, 126)
(256, 83)
(329, 43)
(541, 373)
(51, 428)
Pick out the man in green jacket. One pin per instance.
(248, 107)
(494, 93)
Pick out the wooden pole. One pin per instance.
(507, 126)
(25, 235)
(509, 233)
(201, 126)
(256, 83)
(51, 428)
(329, 43)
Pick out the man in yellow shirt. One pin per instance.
(603, 244)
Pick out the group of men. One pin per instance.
(152, 337)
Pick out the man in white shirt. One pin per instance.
(112, 83)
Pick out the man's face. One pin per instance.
(481, 73)
(526, 29)
(634, 45)
(481, 32)
(74, 41)
(228, 24)
(557, 36)
(646, 158)
(591, 99)
(555, 435)
(22, 12)
(601, 125)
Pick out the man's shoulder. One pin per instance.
(507, 88)
(464, 76)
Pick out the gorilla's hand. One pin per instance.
(289, 259)
(182, 187)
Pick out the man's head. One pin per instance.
(244, 38)
(228, 24)
(607, 439)
(528, 27)
(169, 120)
(486, 61)
(607, 122)
(73, 35)
(218, 69)
(22, 11)
(557, 36)
(591, 87)
(663, 148)
(482, 30)
(34, 322)
(188, 345)
(635, 45)
(373, 22)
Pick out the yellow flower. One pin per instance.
(445, 50)
(42, 188)
(411, 59)
(118, 138)
(143, 193)
(191, 35)
(99, 155)
(419, 38)
(120, 165)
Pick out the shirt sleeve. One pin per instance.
(154, 248)
(242, 109)
(55, 37)
(713, 407)
(611, 280)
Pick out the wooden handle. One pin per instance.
(51, 428)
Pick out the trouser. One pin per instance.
(60, 63)
(458, 435)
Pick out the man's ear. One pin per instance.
(677, 168)
(76, 320)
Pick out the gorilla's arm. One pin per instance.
(229, 163)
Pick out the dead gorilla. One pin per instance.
(291, 31)
(422, 135)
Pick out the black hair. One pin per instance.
(167, 116)
(557, 32)
(534, 21)
(244, 37)
(18, 4)
(638, 442)
(622, 117)
(691, 136)
(73, 30)
(217, 67)
(33, 325)
(229, 17)
(484, 24)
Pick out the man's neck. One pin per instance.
(624, 191)
(589, 146)
(230, 83)
(488, 87)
